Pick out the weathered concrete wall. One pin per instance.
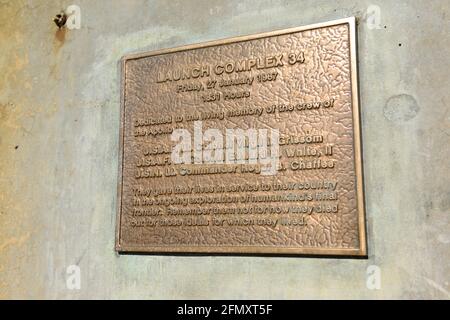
(59, 118)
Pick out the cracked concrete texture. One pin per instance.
(59, 118)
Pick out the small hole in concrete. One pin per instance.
(16, 147)
(399, 44)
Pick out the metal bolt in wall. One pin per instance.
(69, 18)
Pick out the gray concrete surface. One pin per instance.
(59, 118)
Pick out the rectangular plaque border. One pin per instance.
(360, 252)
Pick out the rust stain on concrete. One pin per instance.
(60, 36)
(15, 225)
(21, 61)
(14, 241)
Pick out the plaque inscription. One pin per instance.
(245, 145)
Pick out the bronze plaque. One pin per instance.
(246, 145)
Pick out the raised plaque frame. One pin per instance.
(254, 250)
